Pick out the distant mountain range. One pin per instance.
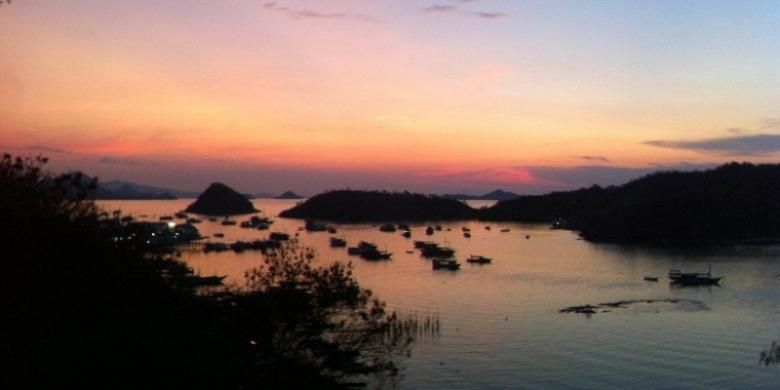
(126, 190)
(288, 195)
(494, 195)
(120, 189)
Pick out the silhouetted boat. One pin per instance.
(228, 222)
(692, 278)
(337, 242)
(504, 230)
(479, 259)
(277, 236)
(448, 264)
(467, 235)
(429, 230)
(487, 227)
(246, 224)
(369, 251)
(166, 218)
(407, 234)
(438, 227)
(354, 251)
(465, 229)
(388, 228)
(220, 235)
(651, 278)
(437, 251)
(422, 244)
(314, 226)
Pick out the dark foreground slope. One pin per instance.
(84, 305)
(219, 199)
(734, 202)
(365, 206)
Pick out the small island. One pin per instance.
(374, 206)
(288, 195)
(219, 199)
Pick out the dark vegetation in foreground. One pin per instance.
(82, 308)
(729, 204)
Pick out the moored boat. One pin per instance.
(479, 259)
(448, 264)
(337, 242)
(693, 278)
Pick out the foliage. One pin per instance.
(365, 206)
(82, 308)
(730, 203)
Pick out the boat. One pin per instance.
(487, 227)
(228, 222)
(220, 235)
(448, 264)
(262, 226)
(314, 226)
(354, 251)
(166, 218)
(407, 234)
(651, 278)
(194, 220)
(437, 251)
(337, 242)
(423, 244)
(429, 231)
(438, 227)
(693, 278)
(465, 229)
(246, 224)
(479, 259)
(388, 228)
(331, 230)
(212, 219)
(467, 235)
(504, 230)
(277, 236)
(369, 251)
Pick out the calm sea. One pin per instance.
(500, 325)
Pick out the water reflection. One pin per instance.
(499, 324)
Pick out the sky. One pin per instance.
(429, 96)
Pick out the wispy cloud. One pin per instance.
(743, 145)
(119, 161)
(595, 158)
(457, 8)
(49, 149)
(303, 13)
(770, 124)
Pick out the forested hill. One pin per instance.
(366, 206)
(734, 202)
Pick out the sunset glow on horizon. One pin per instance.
(431, 96)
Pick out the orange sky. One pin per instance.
(166, 91)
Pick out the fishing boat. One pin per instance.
(693, 278)
(388, 228)
(467, 235)
(278, 236)
(449, 264)
(437, 251)
(407, 234)
(476, 259)
(337, 242)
